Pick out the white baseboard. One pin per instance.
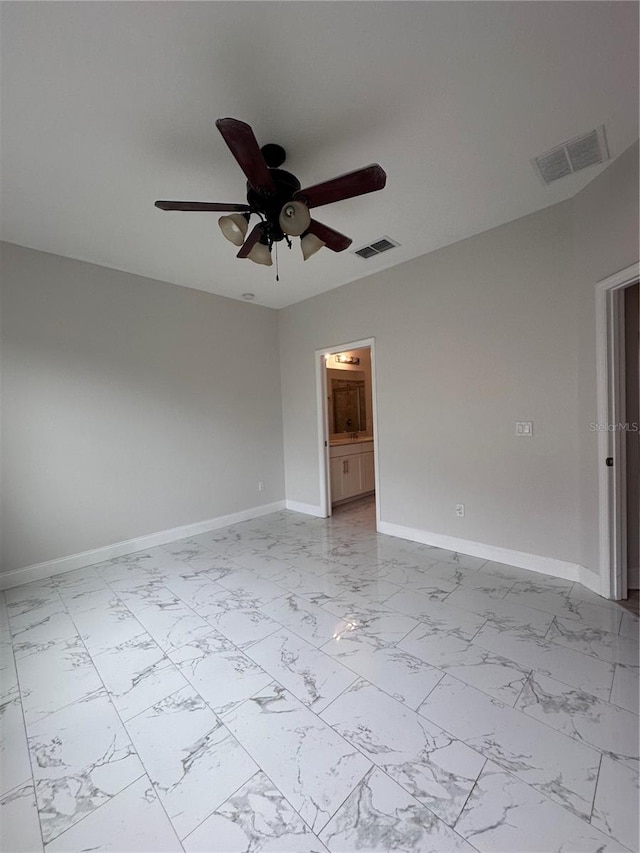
(533, 562)
(39, 571)
(591, 580)
(307, 509)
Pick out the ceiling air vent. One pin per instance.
(573, 156)
(376, 248)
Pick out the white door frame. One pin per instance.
(321, 356)
(610, 401)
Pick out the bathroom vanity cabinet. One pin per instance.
(352, 469)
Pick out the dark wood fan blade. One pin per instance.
(254, 236)
(200, 206)
(244, 146)
(366, 180)
(333, 240)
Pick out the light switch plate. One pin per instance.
(524, 428)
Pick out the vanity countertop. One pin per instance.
(336, 442)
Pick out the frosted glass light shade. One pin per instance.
(234, 227)
(294, 218)
(260, 254)
(310, 244)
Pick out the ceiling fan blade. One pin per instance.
(254, 236)
(244, 146)
(333, 240)
(200, 206)
(366, 180)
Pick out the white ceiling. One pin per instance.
(109, 106)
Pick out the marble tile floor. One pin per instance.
(293, 684)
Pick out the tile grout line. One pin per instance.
(473, 787)
(221, 721)
(526, 681)
(100, 806)
(335, 812)
(373, 764)
(528, 716)
(351, 746)
(258, 771)
(595, 790)
(554, 678)
(361, 677)
(143, 631)
(338, 734)
(220, 724)
(142, 764)
(615, 671)
(52, 645)
(319, 649)
(505, 769)
(588, 628)
(26, 735)
(122, 723)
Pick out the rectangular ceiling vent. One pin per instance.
(572, 156)
(376, 248)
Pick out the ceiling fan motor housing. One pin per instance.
(271, 205)
(276, 196)
(274, 155)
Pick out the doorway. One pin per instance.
(618, 363)
(347, 426)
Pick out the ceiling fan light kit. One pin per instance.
(294, 218)
(234, 227)
(277, 198)
(261, 254)
(310, 244)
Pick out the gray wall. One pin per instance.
(469, 340)
(129, 406)
(606, 228)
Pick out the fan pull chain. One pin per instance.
(277, 273)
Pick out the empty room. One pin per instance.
(319, 426)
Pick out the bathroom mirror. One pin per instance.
(349, 409)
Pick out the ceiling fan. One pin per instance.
(277, 198)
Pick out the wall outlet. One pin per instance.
(261, 485)
(524, 428)
(460, 510)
